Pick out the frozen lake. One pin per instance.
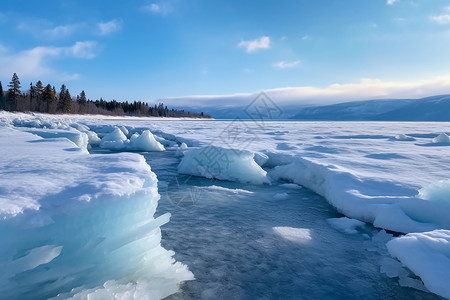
(224, 232)
(290, 218)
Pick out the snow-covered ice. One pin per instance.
(437, 192)
(224, 164)
(441, 139)
(404, 137)
(71, 222)
(299, 235)
(427, 254)
(117, 140)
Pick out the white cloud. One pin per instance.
(442, 19)
(154, 7)
(35, 62)
(391, 2)
(365, 89)
(162, 8)
(44, 29)
(86, 49)
(256, 44)
(70, 77)
(110, 27)
(306, 37)
(285, 64)
(60, 31)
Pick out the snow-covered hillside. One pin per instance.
(435, 108)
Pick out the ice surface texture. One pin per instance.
(75, 220)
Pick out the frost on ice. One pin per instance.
(79, 224)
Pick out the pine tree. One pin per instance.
(32, 91)
(62, 95)
(82, 98)
(39, 89)
(49, 95)
(2, 97)
(13, 91)
(67, 102)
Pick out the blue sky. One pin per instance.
(143, 50)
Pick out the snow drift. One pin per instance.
(365, 199)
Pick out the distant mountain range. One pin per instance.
(435, 108)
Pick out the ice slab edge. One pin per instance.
(80, 224)
(428, 256)
(381, 203)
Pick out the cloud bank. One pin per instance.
(36, 62)
(365, 89)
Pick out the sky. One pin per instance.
(325, 50)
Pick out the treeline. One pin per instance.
(45, 99)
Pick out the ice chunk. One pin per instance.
(428, 256)
(115, 140)
(401, 214)
(346, 225)
(441, 139)
(79, 127)
(124, 130)
(437, 192)
(145, 142)
(80, 139)
(404, 137)
(299, 235)
(261, 158)
(94, 140)
(393, 268)
(70, 221)
(224, 164)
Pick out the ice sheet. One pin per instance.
(71, 220)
